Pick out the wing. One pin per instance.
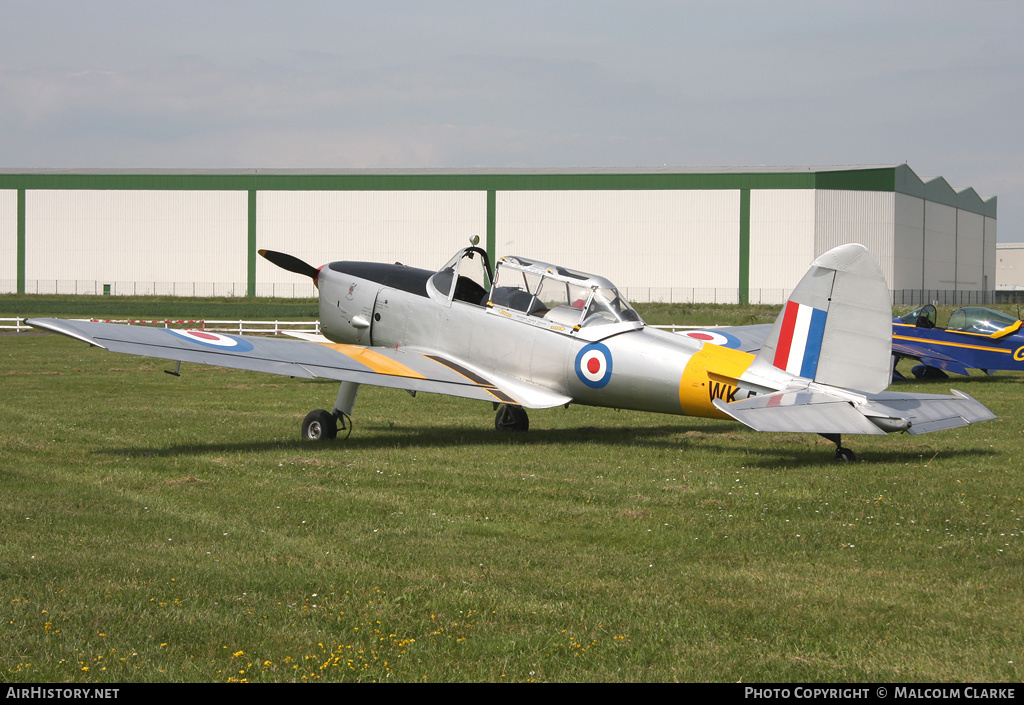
(419, 371)
(929, 356)
(823, 411)
(746, 338)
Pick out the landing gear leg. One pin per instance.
(844, 455)
(511, 418)
(323, 425)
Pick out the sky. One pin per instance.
(305, 84)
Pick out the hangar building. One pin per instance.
(661, 234)
(1010, 266)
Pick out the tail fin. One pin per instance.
(836, 328)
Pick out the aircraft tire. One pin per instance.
(511, 418)
(928, 372)
(319, 425)
(845, 455)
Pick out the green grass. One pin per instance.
(253, 308)
(135, 307)
(175, 529)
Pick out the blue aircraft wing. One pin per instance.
(928, 356)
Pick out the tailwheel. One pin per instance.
(320, 425)
(511, 418)
(845, 455)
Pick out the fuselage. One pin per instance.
(975, 337)
(604, 362)
(976, 351)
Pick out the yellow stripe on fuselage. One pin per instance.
(712, 373)
(932, 341)
(381, 364)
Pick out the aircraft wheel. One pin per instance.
(845, 455)
(511, 418)
(927, 372)
(319, 425)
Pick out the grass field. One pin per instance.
(175, 529)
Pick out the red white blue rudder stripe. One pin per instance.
(800, 337)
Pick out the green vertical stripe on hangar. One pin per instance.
(251, 255)
(21, 241)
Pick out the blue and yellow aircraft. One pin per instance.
(975, 337)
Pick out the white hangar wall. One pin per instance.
(419, 228)
(678, 246)
(185, 243)
(8, 240)
(908, 242)
(661, 234)
(1010, 266)
(782, 226)
(867, 217)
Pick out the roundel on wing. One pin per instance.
(212, 340)
(715, 337)
(594, 365)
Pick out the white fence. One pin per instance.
(15, 324)
(240, 327)
(91, 287)
(637, 294)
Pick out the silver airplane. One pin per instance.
(532, 335)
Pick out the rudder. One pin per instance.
(836, 326)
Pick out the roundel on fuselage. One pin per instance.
(594, 365)
(710, 336)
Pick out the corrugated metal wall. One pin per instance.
(654, 245)
(781, 241)
(8, 240)
(939, 246)
(867, 217)
(908, 243)
(1010, 266)
(419, 228)
(970, 254)
(677, 240)
(137, 242)
(989, 281)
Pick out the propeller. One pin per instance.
(290, 263)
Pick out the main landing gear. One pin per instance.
(511, 418)
(843, 455)
(321, 425)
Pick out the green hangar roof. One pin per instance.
(898, 178)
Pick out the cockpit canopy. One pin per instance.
(976, 320)
(982, 321)
(562, 297)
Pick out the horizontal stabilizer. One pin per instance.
(799, 412)
(931, 412)
(821, 411)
